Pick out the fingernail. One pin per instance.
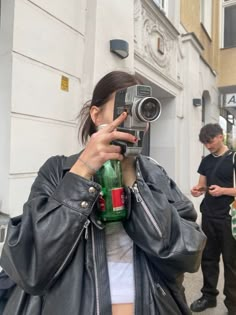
(135, 139)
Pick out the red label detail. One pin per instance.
(102, 203)
(118, 199)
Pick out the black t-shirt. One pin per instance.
(218, 171)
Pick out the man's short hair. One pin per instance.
(210, 131)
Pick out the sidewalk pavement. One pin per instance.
(193, 284)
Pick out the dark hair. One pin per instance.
(210, 131)
(103, 90)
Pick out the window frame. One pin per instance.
(224, 4)
(204, 16)
(162, 4)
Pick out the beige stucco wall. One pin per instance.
(220, 60)
(191, 21)
(227, 58)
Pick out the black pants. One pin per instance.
(219, 241)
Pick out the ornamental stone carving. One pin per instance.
(155, 39)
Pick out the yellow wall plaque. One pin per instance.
(64, 83)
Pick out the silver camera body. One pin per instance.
(142, 109)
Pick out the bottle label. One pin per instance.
(118, 199)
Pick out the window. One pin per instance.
(206, 15)
(229, 23)
(162, 4)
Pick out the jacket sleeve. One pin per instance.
(43, 238)
(161, 223)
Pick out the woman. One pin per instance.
(65, 261)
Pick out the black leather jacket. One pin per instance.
(55, 251)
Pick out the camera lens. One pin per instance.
(148, 109)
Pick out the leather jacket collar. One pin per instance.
(70, 161)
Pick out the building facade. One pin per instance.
(53, 52)
(214, 24)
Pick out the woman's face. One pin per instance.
(103, 114)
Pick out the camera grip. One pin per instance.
(122, 145)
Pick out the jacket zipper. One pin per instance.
(86, 224)
(145, 207)
(156, 226)
(161, 289)
(95, 273)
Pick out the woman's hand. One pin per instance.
(99, 148)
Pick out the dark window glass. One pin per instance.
(230, 26)
(160, 3)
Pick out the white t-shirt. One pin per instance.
(119, 248)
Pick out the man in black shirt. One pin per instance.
(216, 182)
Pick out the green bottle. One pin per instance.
(111, 204)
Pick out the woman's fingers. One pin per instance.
(119, 135)
(104, 150)
(109, 133)
(103, 157)
(100, 147)
(113, 125)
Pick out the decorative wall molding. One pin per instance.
(156, 40)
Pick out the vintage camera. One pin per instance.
(142, 109)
